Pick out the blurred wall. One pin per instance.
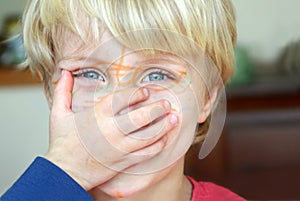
(265, 26)
(8, 7)
(23, 130)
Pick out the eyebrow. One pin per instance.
(120, 66)
(97, 62)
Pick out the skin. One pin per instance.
(74, 95)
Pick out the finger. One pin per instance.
(153, 149)
(142, 116)
(118, 101)
(139, 156)
(62, 98)
(147, 136)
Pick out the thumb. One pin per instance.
(62, 98)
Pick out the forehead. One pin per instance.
(108, 50)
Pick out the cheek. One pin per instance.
(81, 98)
(85, 97)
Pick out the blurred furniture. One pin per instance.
(11, 76)
(258, 155)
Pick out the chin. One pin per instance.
(120, 189)
(127, 185)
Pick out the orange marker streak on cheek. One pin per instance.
(181, 75)
(158, 89)
(181, 72)
(119, 195)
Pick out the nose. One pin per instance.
(125, 78)
(124, 73)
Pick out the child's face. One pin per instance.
(102, 70)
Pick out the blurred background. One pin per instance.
(258, 155)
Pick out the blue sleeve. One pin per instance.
(44, 181)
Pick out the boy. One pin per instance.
(128, 82)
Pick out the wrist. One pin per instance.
(60, 163)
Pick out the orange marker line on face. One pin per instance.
(119, 195)
(181, 72)
(55, 82)
(117, 67)
(173, 110)
(111, 65)
(132, 79)
(157, 89)
(120, 65)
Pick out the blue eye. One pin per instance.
(157, 76)
(89, 74)
(93, 75)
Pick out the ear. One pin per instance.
(208, 105)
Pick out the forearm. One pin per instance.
(45, 181)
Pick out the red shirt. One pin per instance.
(45, 181)
(207, 191)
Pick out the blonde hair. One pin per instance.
(209, 23)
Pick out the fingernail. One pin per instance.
(173, 119)
(167, 105)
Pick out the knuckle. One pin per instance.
(139, 118)
(139, 95)
(156, 148)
